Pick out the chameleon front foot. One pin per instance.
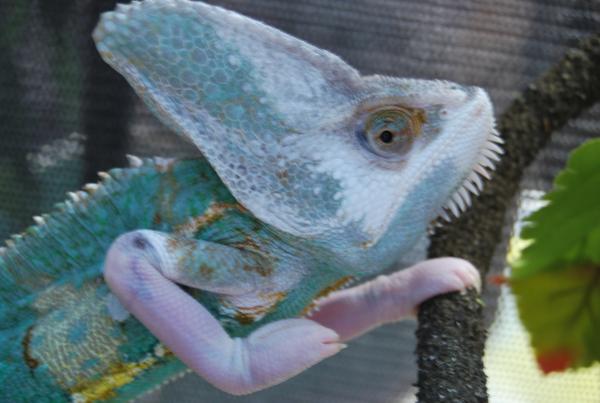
(276, 352)
(269, 355)
(394, 297)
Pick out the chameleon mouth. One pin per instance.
(473, 184)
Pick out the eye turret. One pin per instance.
(390, 131)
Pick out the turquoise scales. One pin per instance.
(314, 175)
(57, 334)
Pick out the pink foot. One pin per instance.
(391, 298)
(268, 356)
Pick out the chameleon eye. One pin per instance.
(386, 137)
(390, 131)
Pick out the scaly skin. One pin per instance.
(57, 332)
(321, 177)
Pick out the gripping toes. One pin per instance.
(438, 276)
(391, 298)
(277, 352)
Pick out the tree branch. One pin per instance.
(451, 335)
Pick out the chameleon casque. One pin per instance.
(312, 177)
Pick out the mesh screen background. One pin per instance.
(65, 115)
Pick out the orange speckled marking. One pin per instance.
(180, 243)
(213, 213)
(336, 285)
(31, 362)
(247, 315)
(262, 271)
(206, 271)
(247, 244)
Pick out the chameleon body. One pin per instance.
(313, 177)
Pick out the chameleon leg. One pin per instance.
(140, 273)
(390, 298)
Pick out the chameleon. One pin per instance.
(237, 263)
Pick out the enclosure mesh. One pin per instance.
(64, 115)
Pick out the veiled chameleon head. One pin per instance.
(298, 136)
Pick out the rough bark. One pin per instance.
(451, 335)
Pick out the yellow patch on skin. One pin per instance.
(248, 244)
(213, 213)
(244, 318)
(262, 271)
(336, 285)
(66, 358)
(273, 297)
(417, 119)
(247, 315)
(118, 375)
(161, 350)
(206, 271)
(106, 54)
(31, 362)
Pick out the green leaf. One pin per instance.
(556, 278)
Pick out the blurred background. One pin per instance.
(65, 115)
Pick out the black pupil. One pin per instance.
(386, 136)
